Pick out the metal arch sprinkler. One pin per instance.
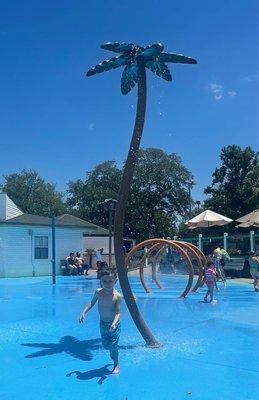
(185, 292)
(196, 252)
(167, 243)
(141, 268)
(200, 257)
(136, 59)
(155, 260)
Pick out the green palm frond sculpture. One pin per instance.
(152, 56)
(135, 59)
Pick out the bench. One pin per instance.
(65, 270)
(234, 268)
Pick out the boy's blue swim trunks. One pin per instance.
(110, 339)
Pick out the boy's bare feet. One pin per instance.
(116, 369)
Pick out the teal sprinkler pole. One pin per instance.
(53, 226)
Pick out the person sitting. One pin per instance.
(82, 266)
(71, 264)
(79, 262)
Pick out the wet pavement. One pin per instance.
(210, 351)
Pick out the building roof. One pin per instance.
(8, 209)
(65, 220)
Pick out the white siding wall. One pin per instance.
(68, 240)
(97, 242)
(17, 249)
(2, 206)
(7, 208)
(11, 209)
(2, 258)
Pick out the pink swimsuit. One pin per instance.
(210, 276)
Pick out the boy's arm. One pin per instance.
(89, 306)
(117, 313)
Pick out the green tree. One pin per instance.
(159, 195)
(32, 194)
(234, 188)
(85, 199)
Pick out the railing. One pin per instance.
(250, 241)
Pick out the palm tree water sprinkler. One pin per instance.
(136, 59)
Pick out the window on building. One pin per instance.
(41, 247)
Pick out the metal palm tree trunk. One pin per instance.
(121, 208)
(134, 58)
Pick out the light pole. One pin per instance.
(53, 229)
(198, 205)
(190, 199)
(111, 207)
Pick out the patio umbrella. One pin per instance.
(251, 219)
(206, 219)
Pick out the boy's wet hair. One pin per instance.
(110, 271)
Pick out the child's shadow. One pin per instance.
(81, 349)
(93, 373)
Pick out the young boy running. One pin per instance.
(109, 307)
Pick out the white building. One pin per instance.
(26, 240)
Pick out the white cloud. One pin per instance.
(232, 93)
(91, 126)
(250, 78)
(218, 91)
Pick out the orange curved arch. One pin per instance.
(204, 262)
(170, 243)
(199, 257)
(141, 268)
(154, 264)
(201, 254)
(192, 249)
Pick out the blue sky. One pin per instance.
(62, 124)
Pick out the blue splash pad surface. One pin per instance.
(209, 351)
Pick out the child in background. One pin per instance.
(210, 280)
(254, 269)
(219, 263)
(109, 307)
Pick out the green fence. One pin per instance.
(236, 245)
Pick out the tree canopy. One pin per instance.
(32, 194)
(234, 188)
(85, 198)
(158, 196)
